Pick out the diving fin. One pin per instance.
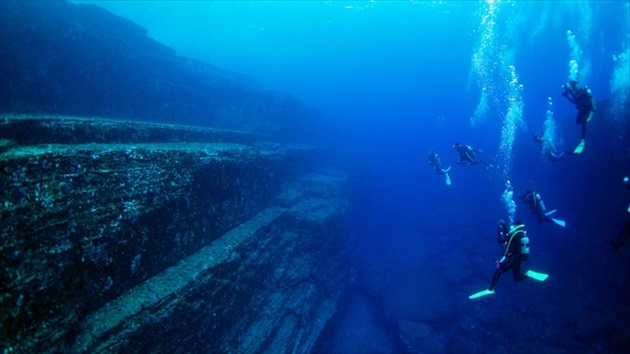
(481, 293)
(536, 275)
(448, 179)
(579, 148)
(550, 212)
(559, 222)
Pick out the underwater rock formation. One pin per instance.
(119, 236)
(63, 58)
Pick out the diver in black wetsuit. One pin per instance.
(548, 148)
(434, 161)
(582, 99)
(624, 235)
(516, 245)
(467, 155)
(536, 205)
(516, 250)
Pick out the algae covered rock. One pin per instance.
(108, 244)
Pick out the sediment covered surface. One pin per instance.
(165, 238)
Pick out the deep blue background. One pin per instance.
(391, 80)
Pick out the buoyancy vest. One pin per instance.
(514, 231)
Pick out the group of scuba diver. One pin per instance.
(466, 155)
(514, 238)
(515, 243)
(580, 97)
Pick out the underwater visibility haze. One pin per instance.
(386, 82)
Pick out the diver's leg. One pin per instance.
(583, 129)
(540, 216)
(582, 119)
(503, 267)
(516, 270)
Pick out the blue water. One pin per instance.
(391, 81)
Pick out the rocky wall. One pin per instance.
(79, 59)
(98, 239)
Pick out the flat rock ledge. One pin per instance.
(134, 237)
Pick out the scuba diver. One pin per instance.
(537, 207)
(467, 155)
(624, 235)
(434, 161)
(516, 250)
(582, 98)
(548, 148)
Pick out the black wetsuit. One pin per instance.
(512, 257)
(548, 149)
(536, 206)
(434, 161)
(582, 98)
(467, 156)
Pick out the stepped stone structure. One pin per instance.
(73, 59)
(123, 236)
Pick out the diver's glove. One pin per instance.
(497, 264)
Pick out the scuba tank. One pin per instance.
(524, 248)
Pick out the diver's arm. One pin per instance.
(502, 233)
(568, 93)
